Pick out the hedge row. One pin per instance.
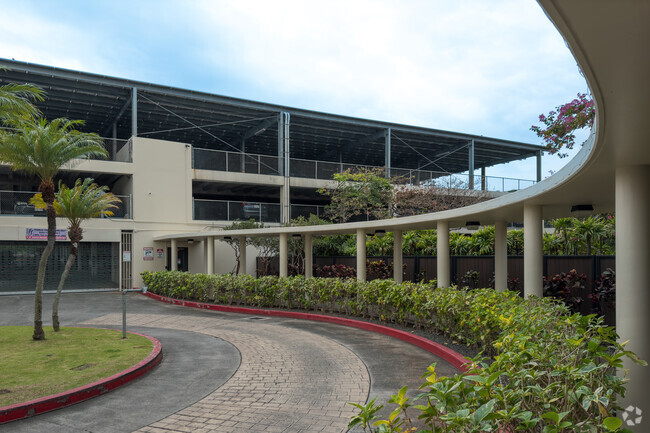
(541, 368)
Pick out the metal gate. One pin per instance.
(126, 270)
(96, 266)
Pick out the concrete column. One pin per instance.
(387, 151)
(632, 276)
(173, 259)
(285, 202)
(470, 164)
(209, 255)
(483, 179)
(500, 255)
(443, 259)
(533, 258)
(284, 255)
(539, 165)
(309, 256)
(361, 255)
(398, 272)
(242, 256)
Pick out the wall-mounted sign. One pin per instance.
(147, 253)
(126, 256)
(160, 253)
(41, 234)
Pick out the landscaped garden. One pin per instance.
(541, 368)
(66, 360)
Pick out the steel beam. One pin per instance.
(120, 113)
(258, 128)
(134, 112)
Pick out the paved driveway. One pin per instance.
(226, 372)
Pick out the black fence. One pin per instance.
(424, 268)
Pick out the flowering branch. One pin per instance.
(564, 121)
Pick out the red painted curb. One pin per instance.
(452, 357)
(66, 398)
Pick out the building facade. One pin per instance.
(184, 162)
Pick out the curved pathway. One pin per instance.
(225, 372)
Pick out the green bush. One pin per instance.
(541, 369)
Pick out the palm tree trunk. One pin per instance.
(57, 297)
(47, 188)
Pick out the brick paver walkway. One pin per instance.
(276, 389)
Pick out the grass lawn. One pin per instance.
(67, 359)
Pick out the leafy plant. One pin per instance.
(336, 271)
(541, 369)
(379, 269)
(566, 287)
(604, 293)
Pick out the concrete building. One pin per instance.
(190, 162)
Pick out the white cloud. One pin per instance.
(469, 66)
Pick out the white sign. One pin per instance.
(41, 234)
(160, 253)
(126, 256)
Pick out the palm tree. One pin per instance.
(15, 101)
(483, 241)
(564, 226)
(552, 244)
(427, 243)
(410, 242)
(515, 240)
(85, 200)
(42, 148)
(590, 229)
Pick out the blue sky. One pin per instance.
(481, 67)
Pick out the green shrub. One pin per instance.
(541, 369)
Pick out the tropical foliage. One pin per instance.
(16, 102)
(561, 123)
(42, 148)
(85, 200)
(542, 369)
(365, 193)
(571, 236)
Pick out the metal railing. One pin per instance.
(225, 210)
(236, 162)
(305, 210)
(219, 160)
(17, 203)
(118, 150)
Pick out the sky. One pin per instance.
(481, 67)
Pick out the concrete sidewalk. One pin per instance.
(225, 372)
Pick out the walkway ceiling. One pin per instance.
(168, 113)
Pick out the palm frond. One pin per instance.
(42, 148)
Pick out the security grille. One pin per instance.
(96, 266)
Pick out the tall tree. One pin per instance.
(42, 148)
(85, 200)
(364, 191)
